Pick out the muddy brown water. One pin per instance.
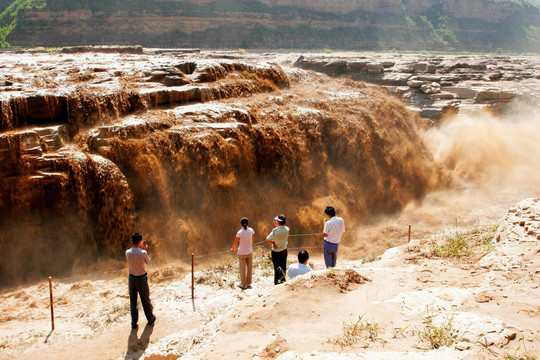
(183, 171)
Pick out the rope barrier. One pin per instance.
(305, 234)
(182, 259)
(193, 257)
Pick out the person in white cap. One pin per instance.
(278, 238)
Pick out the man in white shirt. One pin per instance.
(301, 267)
(137, 258)
(334, 228)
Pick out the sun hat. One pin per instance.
(281, 218)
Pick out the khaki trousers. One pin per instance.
(245, 268)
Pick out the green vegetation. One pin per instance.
(225, 273)
(468, 244)
(534, 3)
(520, 354)
(401, 331)
(437, 335)
(517, 2)
(354, 332)
(371, 258)
(163, 5)
(10, 17)
(433, 30)
(532, 33)
(410, 22)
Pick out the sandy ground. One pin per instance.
(489, 305)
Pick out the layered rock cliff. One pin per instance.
(345, 24)
(179, 147)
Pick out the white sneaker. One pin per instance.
(241, 286)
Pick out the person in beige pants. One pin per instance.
(244, 239)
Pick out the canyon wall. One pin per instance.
(347, 24)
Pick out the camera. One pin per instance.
(144, 245)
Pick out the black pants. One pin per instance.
(279, 259)
(139, 285)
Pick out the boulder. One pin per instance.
(175, 80)
(495, 75)
(394, 79)
(375, 68)
(462, 92)
(431, 88)
(444, 95)
(415, 83)
(424, 67)
(429, 78)
(335, 68)
(472, 328)
(493, 95)
(357, 66)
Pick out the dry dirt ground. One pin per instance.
(412, 302)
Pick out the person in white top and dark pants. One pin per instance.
(334, 228)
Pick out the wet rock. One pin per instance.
(432, 112)
(493, 76)
(493, 95)
(357, 66)
(335, 68)
(431, 88)
(156, 76)
(136, 49)
(54, 137)
(424, 67)
(443, 95)
(187, 67)
(464, 76)
(175, 80)
(394, 79)
(429, 78)
(462, 92)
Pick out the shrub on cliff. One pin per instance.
(9, 18)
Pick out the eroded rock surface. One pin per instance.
(437, 86)
(189, 134)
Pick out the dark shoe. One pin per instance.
(152, 322)
(134, 326)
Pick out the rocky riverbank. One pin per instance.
(439, 86)
(471, 294)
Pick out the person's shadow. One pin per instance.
(136, 346)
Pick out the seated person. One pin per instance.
(302, 267)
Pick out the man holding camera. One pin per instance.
(137, 258)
